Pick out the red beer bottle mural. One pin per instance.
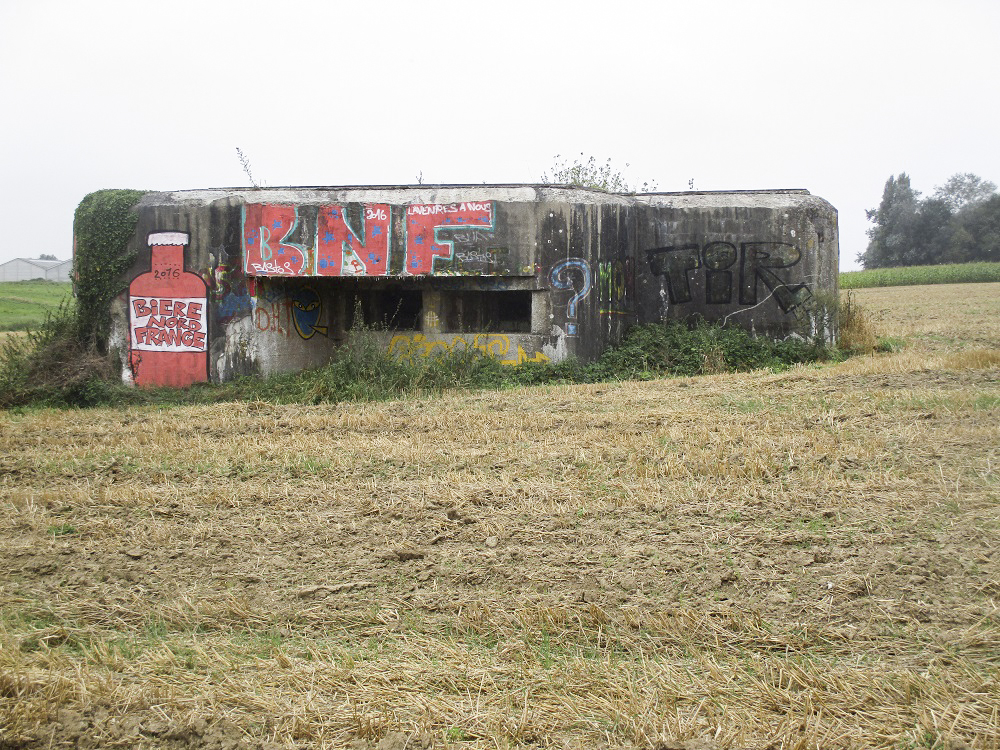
(168, 318)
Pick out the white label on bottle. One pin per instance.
(168, 324)
(167, 238)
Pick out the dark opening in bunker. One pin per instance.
(391, 308)
(499, 312)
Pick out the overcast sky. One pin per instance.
(834, 97)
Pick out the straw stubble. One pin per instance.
(805, 559)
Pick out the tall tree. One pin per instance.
(891, 239)
(958, 224)
(963, 189)
(976, 233)
(932, 232)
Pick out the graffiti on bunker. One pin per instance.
(287, 312)
(268, 249)
(424, 223)
(168, 318)
(294, 240)
(615, 282)
(572, 274)
(232, 299)
(342, 251)
(550, 272)
(496, 345)
(307, 309)
(758, 264)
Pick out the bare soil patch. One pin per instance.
(807, 559)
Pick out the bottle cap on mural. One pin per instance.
(167, 238)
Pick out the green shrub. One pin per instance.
(102, 227)
(64, 360)
(50, 365)
(52, 368)
(700, 348)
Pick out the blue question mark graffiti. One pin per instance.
(561, 278)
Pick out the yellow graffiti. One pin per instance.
(496, 345)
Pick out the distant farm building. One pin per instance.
(30, 269)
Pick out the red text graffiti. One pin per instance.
(162, 324)
(342, 251)
(268, 249)
(423, 222)
(285, 240)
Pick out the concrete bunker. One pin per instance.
(230, 282)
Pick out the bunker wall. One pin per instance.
(277, 279)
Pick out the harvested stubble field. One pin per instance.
(795, 560)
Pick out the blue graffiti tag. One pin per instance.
(562, 277)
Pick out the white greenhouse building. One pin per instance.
(29, 269)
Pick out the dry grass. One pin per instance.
(6, 336)
(856, 332)
(799, 560)
(954, 316)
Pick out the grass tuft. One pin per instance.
(856, 333)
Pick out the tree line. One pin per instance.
(959, 223)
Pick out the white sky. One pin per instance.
(834, 97)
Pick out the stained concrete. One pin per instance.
(526, 272)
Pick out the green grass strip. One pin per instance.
(23, 304)
(953, 273)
